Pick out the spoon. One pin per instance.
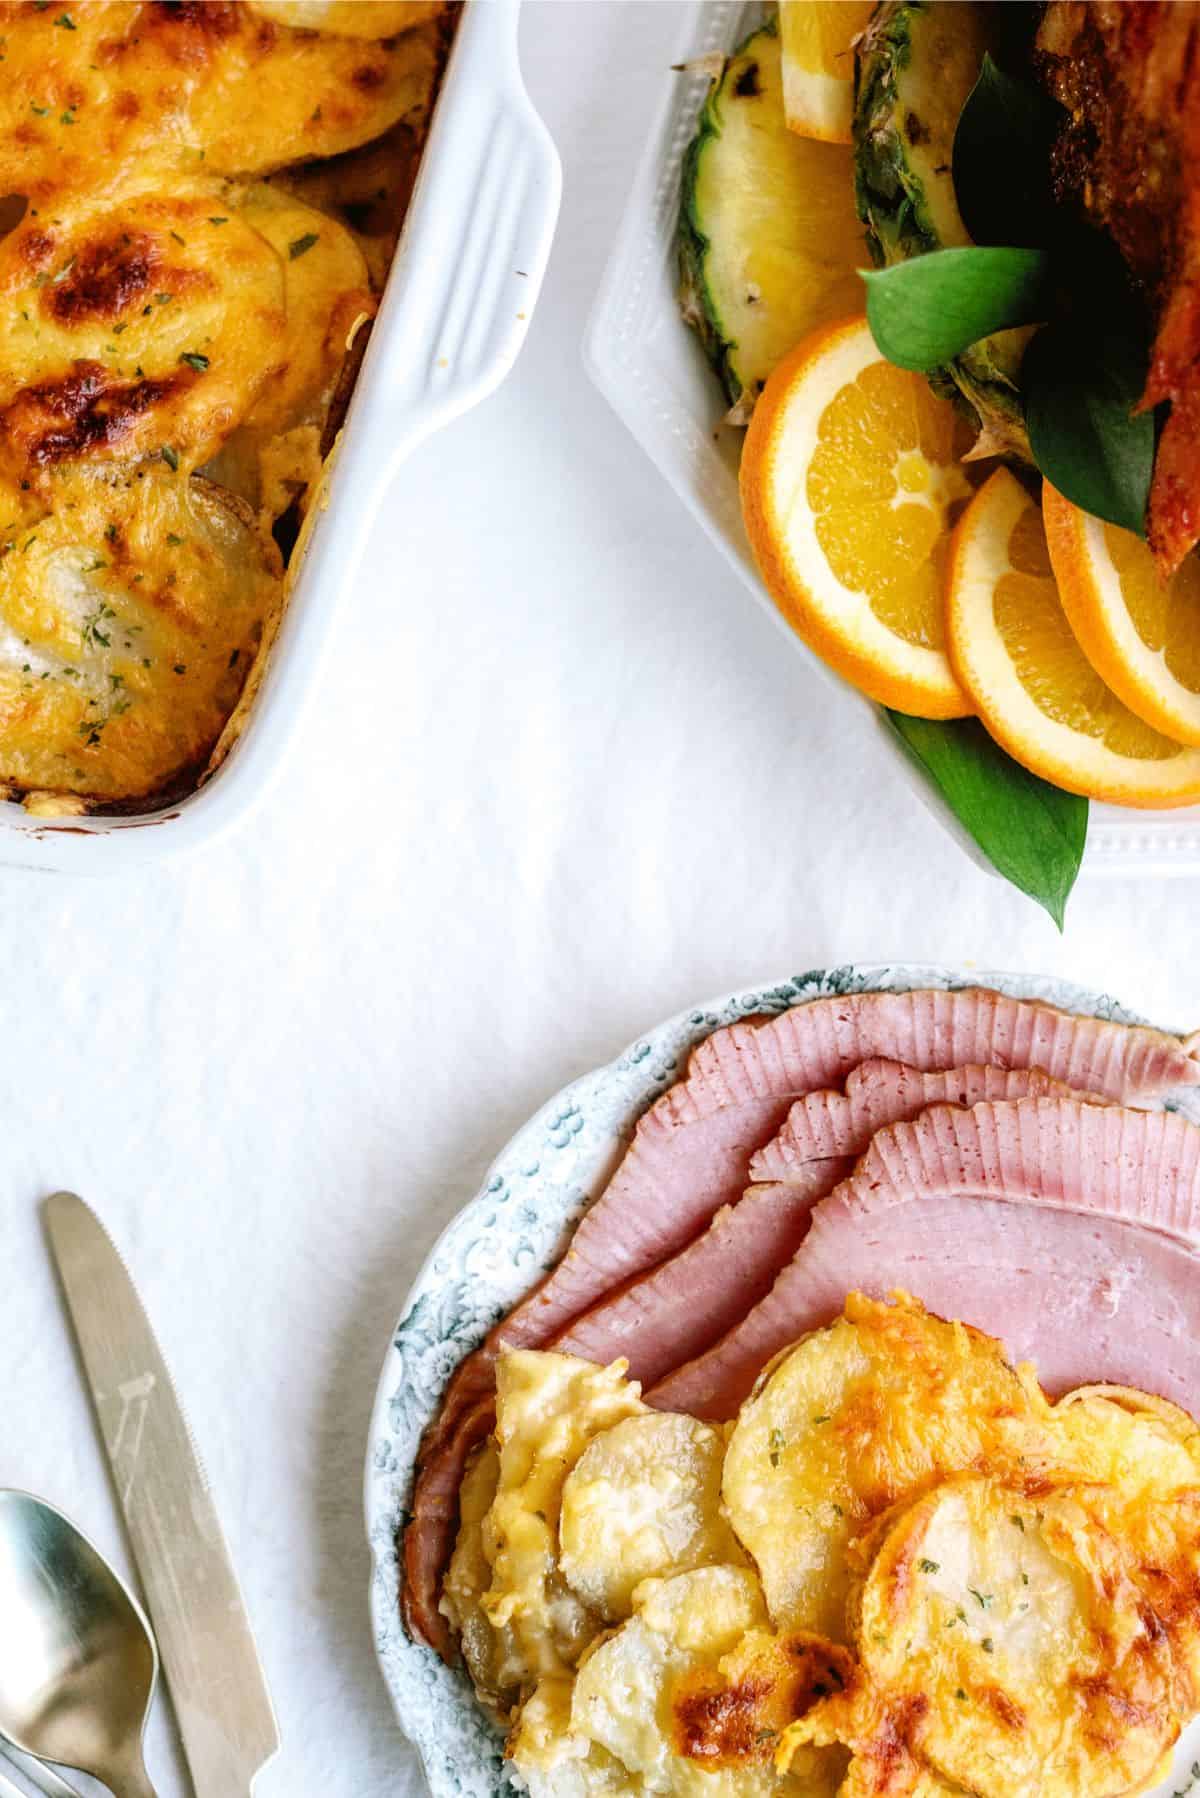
(78, 1663)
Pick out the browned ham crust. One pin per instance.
(1129, 75)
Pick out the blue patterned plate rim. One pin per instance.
(494, 1249)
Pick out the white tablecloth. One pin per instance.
(563, 782)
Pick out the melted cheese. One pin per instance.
(133, 325)
(130, 616)
(201, 86)
(624, 1725)
(642, 1501)
(851, 1419)
(165, 312)
(1003, 1649)
(350, 18)
(548, 1408)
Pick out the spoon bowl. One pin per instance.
(78, 1661)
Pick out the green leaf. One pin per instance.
(925, 312)
(1080, 381)
(1002, 147)
(1031, 832)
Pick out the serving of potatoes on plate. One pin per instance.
(900, 1570)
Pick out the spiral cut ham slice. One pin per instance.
(691, 1153)
(681, 1307)
(831, 1126)
(1040, 1220)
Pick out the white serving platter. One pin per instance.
(651, 370)
(458, 301)
(495, 1249)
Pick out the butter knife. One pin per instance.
(218, 1689)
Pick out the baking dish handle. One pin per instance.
(475, 244)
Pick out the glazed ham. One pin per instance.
(834, 1126)
(1028, 1219)
(690, 1156)
(679, 1308)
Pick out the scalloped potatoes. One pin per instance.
(901, 1572)
(204, 86)
(643, 1500)
(166, 313)
(878, 1405)
(130, 615)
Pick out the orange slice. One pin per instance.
(851, 478)
(818, 64)
(1036, 692)
(1141, 635)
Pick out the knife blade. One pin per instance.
(217, 1684)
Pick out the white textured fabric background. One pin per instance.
(564, 782)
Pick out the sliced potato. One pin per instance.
(643, 1501)
(326, 292)
(485, 1650)
(641, 1694)
(133, 326)
(852, 1419)
(130, 617)
(275, 452)
(1140, 1459)
(1008, 1634)
(368, 190)
(208, 89)
(548, 1408)
(350, 18)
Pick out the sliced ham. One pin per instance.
(678, 1309)
(1121, 1188)
(1084, 1298)
(691, 1151)
(826, 1126)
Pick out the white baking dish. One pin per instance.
(454, 314)
(652, 371)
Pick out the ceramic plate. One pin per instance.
(492, 1253)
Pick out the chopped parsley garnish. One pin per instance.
(1018, 1521)
(110, 532)
(218, 221)
(178, 239)
(300, 246)
(68, 117)
(66, 21)
(94, 631)
(777, 1445)
(960, 1695)
(174, 539)
(170, 456)
(983, 1599)
(928, 1566)
(117, 329)
(163, 298)
(988, 1646)
(180, 668)
(824, 1418)
(194, 359)
(40, 110)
